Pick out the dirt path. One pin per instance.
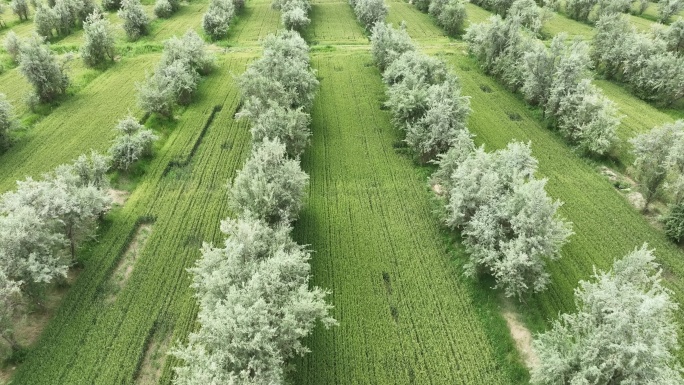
(520, 334)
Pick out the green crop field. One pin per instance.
(606, 226)
(407, 314)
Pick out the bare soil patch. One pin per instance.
(29, 327)
(438, 189)
(119, 197)
(125, 267)
(521, 335)
(153, 362)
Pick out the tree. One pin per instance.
(132, 143)
(163, 9)
(418, 65)
(653, 157)
(10, 299)
(582, 114)
(643, 5)
(180, 78)
(388, 43)
(491, 42)
(529, 14)
(624, 330)
(286, 45)
(13, 45)
(174, 80)
(294, 14)
(39, 65)
(289, 126)
(98, 46)
(446, 114)
(2, 11)
(674, 35)
(668, 8)
(461, 148)
(135, 21)
(370, 12)
(65, 16)
(270, 185)
(611, 44)
(190, 49)
(7, 122)
(587, 118)
(92, 170)
(255, 307)
(31, 248)
(540, 67)
(45, 20)
(611, 7)
(579, 9)
(275, 77)
(421, 5)
(20, 8)
(154, 96)
(660, 78)
(111, 5)
(509, 224)
(436, 7)
(453, 17)
(674, 222)
(63, 201)
(216, 20)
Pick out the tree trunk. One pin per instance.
(9, 337)
(72, 242)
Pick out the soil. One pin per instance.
(28, 328)
(438, 189)
(125, 267)
(119, 197)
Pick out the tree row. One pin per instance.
(255, 303)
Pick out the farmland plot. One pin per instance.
(333, 22)
(406, 312)
(82, 122)
(606, 226)
(253, 23)
(105, 341)
(639, 116)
